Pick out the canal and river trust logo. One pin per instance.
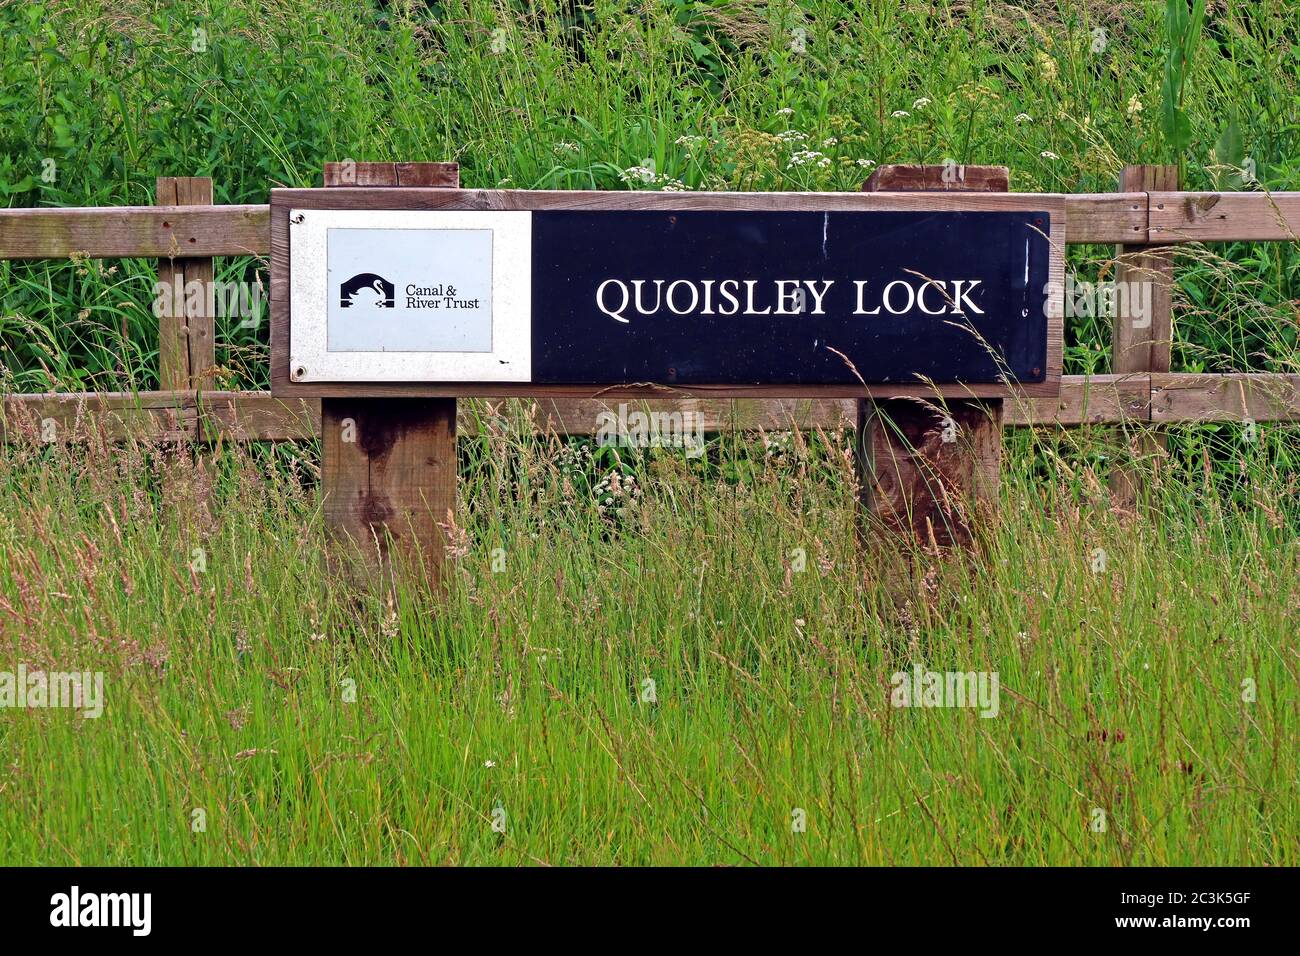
(367, 290)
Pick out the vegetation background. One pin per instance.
(257, 713)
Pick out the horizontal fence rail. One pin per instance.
(1169, 398)
(125, 232)
(114, 232)
(170, 232)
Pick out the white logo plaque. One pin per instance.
(383, 295)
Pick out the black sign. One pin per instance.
(774, 298)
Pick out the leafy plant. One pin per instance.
(1183, 33)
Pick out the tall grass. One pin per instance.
(1158, 690)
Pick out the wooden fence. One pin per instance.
(186, 231)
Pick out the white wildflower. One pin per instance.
(809, 157)
(638, 174)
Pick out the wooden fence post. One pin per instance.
(186, 336)
(1143, 343)
(922, 469)
(388, 465)
(187, 350)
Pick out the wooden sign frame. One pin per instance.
(420, 198)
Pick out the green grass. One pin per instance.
(717, 95)
(1122, 690)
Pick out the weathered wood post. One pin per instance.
(388, 465)
(1142, 343)
(186, 335)
(923, 467)
(187, 350)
